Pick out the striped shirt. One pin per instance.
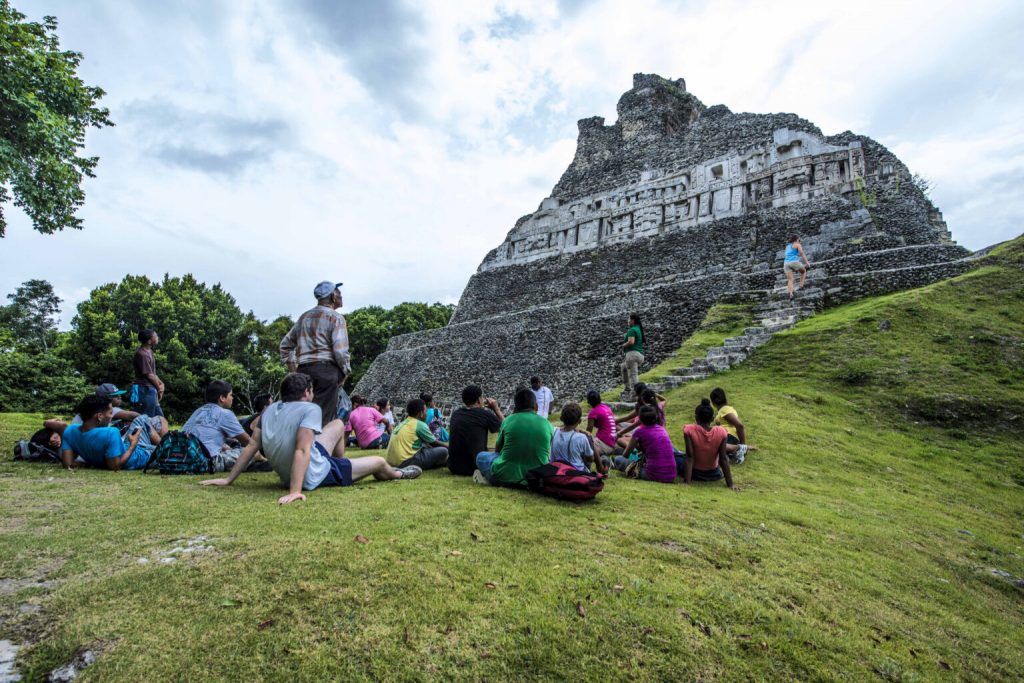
(320, 334)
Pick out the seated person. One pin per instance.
(115, 395)
(48, 438)
(601, 418)
(736, 441)
(214, 424)
(412, 442)
(705, 458)
(434, 418)
(304, 455)
(384, 408)
(572, 445)
(524, 442)
(100, 445)
(259, 404)
(651, 439)
(365, 421)
(648, 397)
(469, 428)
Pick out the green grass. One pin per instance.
(844, 556)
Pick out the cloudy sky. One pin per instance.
(270, 144)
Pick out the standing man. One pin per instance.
(544, 397)
(317, 345)
(147, 389)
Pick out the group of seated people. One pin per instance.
(287, 437)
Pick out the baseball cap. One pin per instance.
(324, 289)
(109, 389)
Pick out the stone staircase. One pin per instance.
(773, 313)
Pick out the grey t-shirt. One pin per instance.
(213, 425)
(278, 427)
(571, 447)
(77, 419)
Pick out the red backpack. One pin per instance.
(563, 481)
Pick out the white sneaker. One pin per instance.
(479, 478)
(740, 454)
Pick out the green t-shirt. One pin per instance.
(407, 438)
(525, 443)
(636, 334)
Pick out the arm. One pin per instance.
(300, 463)
(243, 462)
(242, 438)
(734, 420)
(116, 463)
(723, 462)
(630, 446)
(287, 348)
(67, 458)
(629, 342)
(56, 425)
(800, 248)
(688, 469)
(627, 430)
(499, 443)
(126, 415)
(627, 417)
(151, 376)
(493, 405)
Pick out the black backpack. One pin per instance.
(180, 453)
(34, 452)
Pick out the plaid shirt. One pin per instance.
(320, 334)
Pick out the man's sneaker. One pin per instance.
(479, 478)
(410, 472)
(740, 454)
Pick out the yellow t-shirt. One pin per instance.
(722, 422)
(408, 437)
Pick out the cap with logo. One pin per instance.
(324, 289)
(108, 389)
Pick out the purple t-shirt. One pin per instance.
(656, 445)
(604, 420)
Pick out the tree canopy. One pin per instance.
(45, 109)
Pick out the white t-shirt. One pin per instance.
(544, 400)
(278, 427)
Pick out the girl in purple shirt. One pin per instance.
(651, 439)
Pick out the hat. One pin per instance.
(109, 389)
(324, 289)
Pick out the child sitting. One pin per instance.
(705, 458)
(659, 463)
(573, 446)
(736, 446)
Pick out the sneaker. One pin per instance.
(410, 472)
(479, 478)
(740, 455)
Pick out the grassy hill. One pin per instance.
(877, 535)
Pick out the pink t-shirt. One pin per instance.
(604, 420)
(364, 421)
(705, 445)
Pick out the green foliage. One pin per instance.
(39, 382)
(45, 109)
(370, 328)
(30, 320)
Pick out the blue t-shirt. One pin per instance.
(572, 448)
(99, 444)
(213, 425)
(791, 253)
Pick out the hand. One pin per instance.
(215, 482)
(160, 393)
(134, 437)
(735, 488)
(491, 403)
(290, 498)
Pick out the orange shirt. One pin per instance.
(705, 445)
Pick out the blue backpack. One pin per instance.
(180, 453)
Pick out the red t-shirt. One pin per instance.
(705, 445)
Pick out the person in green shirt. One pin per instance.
(634, 349)
(524, 443)
(412, 442)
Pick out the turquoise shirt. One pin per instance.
(791, 253)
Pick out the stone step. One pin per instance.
(783, 304)
(731, 355)
(781, 321)
(712, 364)
(805, 293)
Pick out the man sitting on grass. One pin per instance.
(524, 443)
(100, 445)
(303, 454)
(214, 424)
(412, 442)
(469, 428)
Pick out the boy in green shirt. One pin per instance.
(524, 442)
(412, 442)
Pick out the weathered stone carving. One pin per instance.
(664, 212)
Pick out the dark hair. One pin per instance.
(639, 388)
(415, 406)
(535, 378)
(42, 437)
(382, 403)
(649, 397)
(704, 413)
(571, 414)
(294, 385)
(426, 398)
(261, 401)
(635, 317)
(525, 400)
(718, 396)
(594, 398)
(357, 400)
(216, 389)
(145, 335)
(471, 394)
(793, 238)
(92, 404)
(649, 415)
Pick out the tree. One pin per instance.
(40, 382)
(370, 328)
(45, 109)
(31, 317)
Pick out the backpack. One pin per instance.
(34, 452)
(563, 481)
(180, 453)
